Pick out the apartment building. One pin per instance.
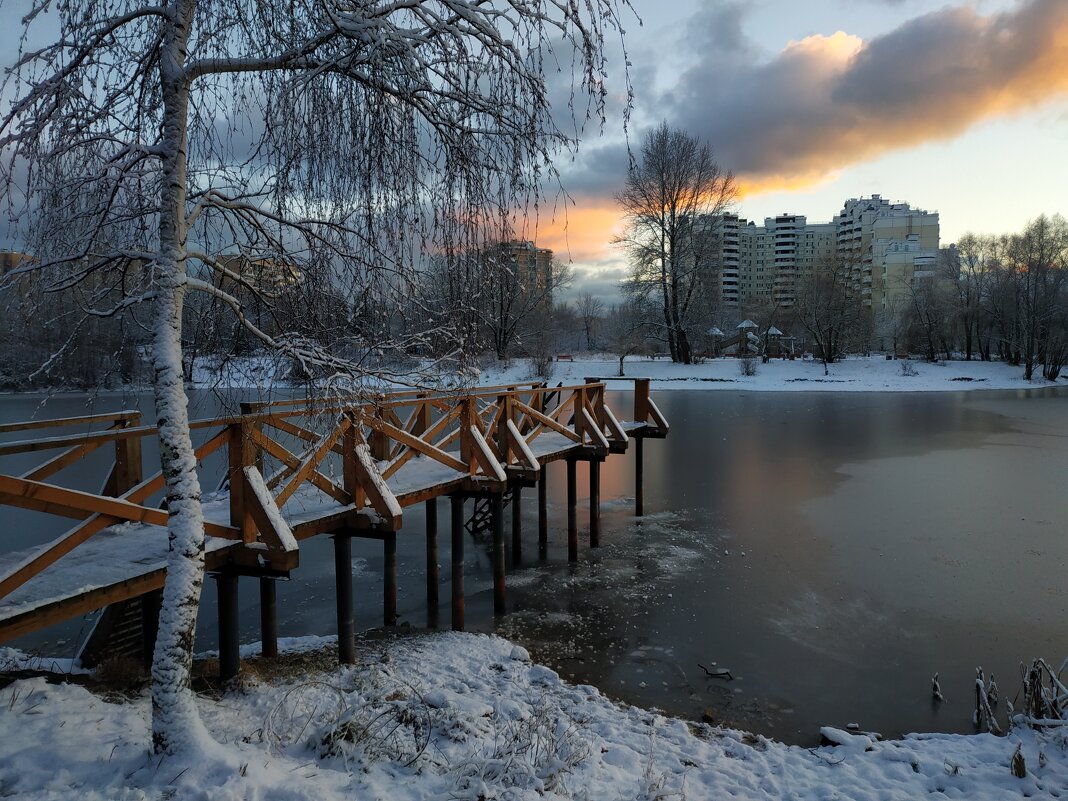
(863, 222)
(895, 264)
(766, 263)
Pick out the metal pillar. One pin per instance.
(389, 580)
(517, 525)
(543, 514)
(346, 625)
(639, 490)
(457, 562)
(595, 503)
(268, 618)
(497, 506)
(572, 521)
(433, 574)
(229, 643)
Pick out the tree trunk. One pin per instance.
(685, 352)
(176, 725)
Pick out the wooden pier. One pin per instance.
(297, 469)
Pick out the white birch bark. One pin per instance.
(176, 725)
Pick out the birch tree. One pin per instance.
(147, 143)
(674, 198)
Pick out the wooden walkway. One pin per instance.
(295, 470)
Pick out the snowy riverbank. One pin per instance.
(874, 374)
(468, 716)
(861, 374)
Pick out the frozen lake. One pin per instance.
(832, 550)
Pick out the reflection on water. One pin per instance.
(832, 551)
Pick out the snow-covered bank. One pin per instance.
(468, 716)
(860, 374)
(874, 374)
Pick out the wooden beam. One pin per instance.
(61, 461)
(80, 505)
(417, 444)
(484, 456)
(284, 455)
(49, 614)
(314, 456)
(283, 553)
(547, 422)
(297, 431)
(45, 557)
(522, 447)
(596, 435)
(31, 425)
(378, 492)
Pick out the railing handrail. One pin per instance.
(70, 440)
(59, 422)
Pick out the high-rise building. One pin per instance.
(764, 264)
(895, 265)
(863, 222)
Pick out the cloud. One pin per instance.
(583, 233)
(826, 102)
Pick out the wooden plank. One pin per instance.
(312, 460)
(618, 434)
(298, 432)
(291, 461)
(378, 492)
(283, 553)
(59, 422)
(484, 456)
(658, 418)
(521, 446)
(155, 483)
(547, 422)
(72, 440)
(44, 558)
(80, 505)
(61, 461)
(596, 435)
(58, 611)
(641, 400)
(417, 444)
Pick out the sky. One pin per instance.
(955, 106)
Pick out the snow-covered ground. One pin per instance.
(859, 374)
(468, 716)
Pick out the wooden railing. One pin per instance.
(339, 454)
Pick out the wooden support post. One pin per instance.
(543, 514)
(229, 642)
(639, 489)
(241, 453)
(458, 562)
(517, 524)
(268, 618)
(572, 521)
(433, 575)
(346, 625)
(389, 579)
(497, 507)
(641, 400)
(151, 604)
(127, 472)
(595, 503)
